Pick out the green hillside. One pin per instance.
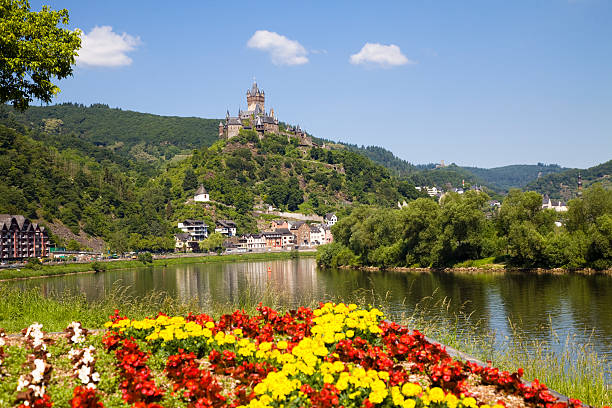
(142, 136)
(66, 180)
(514, 176)
(129, 137)
(564, 185)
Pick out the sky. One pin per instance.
(478, 83)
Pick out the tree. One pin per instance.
(34, 51)
(213, 242)
(190, 182)
(145, 257)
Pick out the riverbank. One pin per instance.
(496, 268)
(44, 271)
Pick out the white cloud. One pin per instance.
(381, 55)
(104, 48)
(283, 51)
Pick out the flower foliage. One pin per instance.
(334, 356)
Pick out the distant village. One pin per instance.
(281, 233)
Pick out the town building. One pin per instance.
(330, 219)
(279, 224)
(329, 237)
(21, 239)
(201, 195)
(193, 232)
(197, 229)
(556, 205)
(226, 227)
(301, 231)
(279, 239)
(252, 242)
(317, 235)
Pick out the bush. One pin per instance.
(99, 266)
(145, 257)
(34, 263)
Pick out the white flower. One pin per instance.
(39, 371)
(39, 391)
(22, 383)
(83, 374)
(95, 377)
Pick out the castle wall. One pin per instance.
(232, 130)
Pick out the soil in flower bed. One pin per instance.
(334, 356)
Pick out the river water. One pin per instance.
(545, 307)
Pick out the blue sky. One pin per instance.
(485, 83)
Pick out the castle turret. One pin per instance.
(255, 97)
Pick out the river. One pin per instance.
(544, 307)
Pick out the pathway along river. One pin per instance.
(539, 305)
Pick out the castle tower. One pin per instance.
(255, 97)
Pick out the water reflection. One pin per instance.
(574, 305)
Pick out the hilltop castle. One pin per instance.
(256, 118)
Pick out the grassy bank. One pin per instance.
(572, 369)
(63, 269)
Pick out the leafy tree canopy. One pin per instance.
(34, 51)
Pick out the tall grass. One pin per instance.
(566, 365)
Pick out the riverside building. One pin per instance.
(21, 239)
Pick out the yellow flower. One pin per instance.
(282, 345)
(411, 390)
(209, 325)
(409, 403)
(451, 400)
(350, 333)
(469, 402)
(436, 394)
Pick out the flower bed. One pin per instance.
(335, 356)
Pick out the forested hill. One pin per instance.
(564, 185)
(514, 176)
(145, 140)
(140, 136)
(102, 198)
(498, 179)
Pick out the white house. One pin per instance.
(252, 241)
(557, 205)
(201, 195)
(330, 219)
(226, 227)
(197, 230)
(317, 235)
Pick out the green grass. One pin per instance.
(491, 262)
(63, 269)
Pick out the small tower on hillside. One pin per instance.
(579, 184)
(255, 97)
